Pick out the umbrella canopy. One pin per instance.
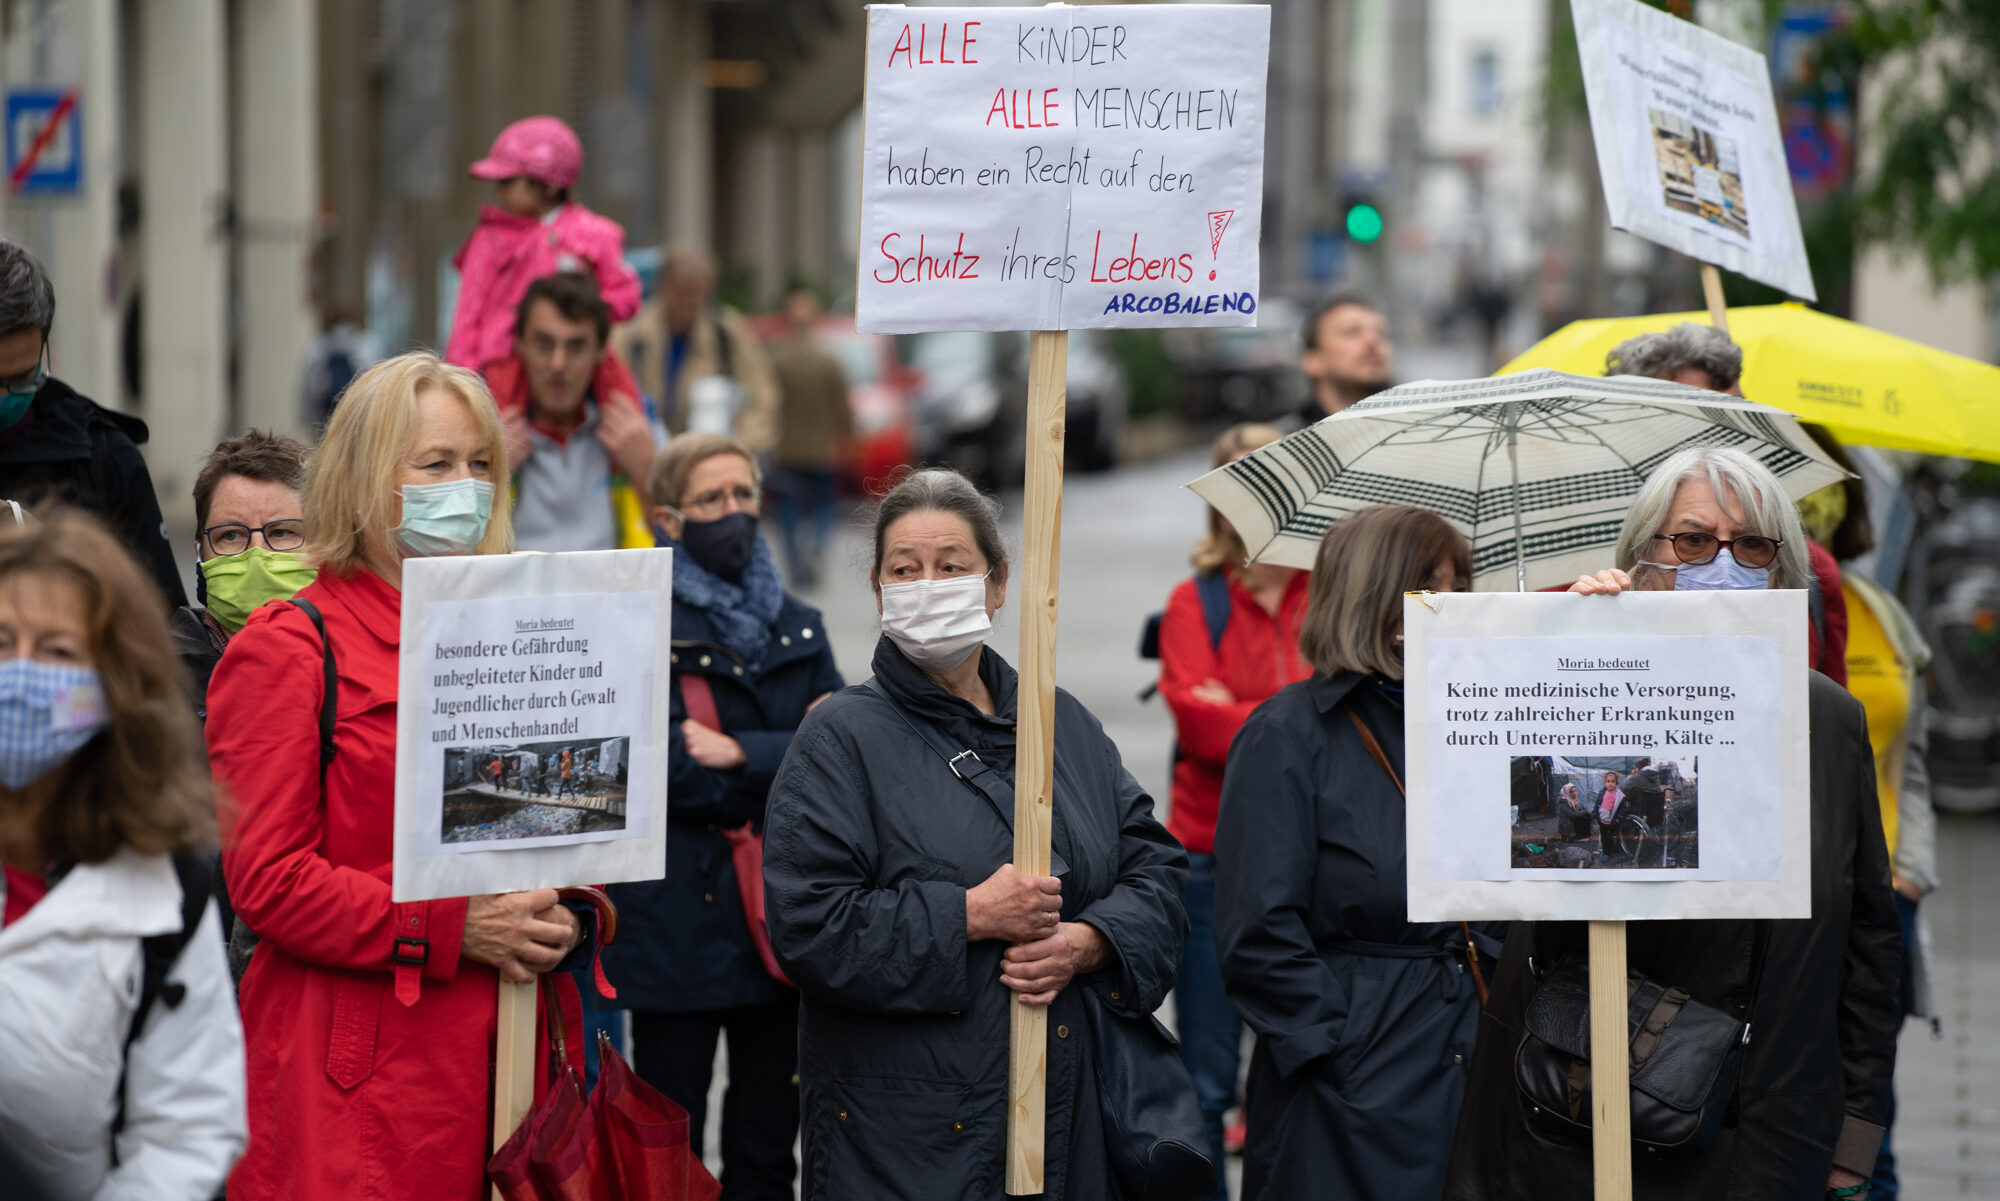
(1868, 387)
(1536, 469)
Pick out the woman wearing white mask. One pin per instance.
(121, 1057)
(1821, 995)
(369, 1023)
(894, 908)
(749, 661)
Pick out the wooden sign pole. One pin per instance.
(513, 1062)
(1610, 1068)
(1034, 770)
(1711, 290)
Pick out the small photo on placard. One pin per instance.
(507, 791)
(1700, 174)
(1605, 812)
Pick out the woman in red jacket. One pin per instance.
(369, 1024)
(1228, 640)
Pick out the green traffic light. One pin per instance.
(1364, 223)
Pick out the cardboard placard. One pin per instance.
(531, 724)
(1688, 144)
(1061, 167)
(1522, 709)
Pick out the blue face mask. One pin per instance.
(444, 519)
(1720, 574)
(48, 711)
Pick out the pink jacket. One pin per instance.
(506, 253)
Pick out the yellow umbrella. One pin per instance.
(1868, 387)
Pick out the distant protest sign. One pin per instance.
(1688, 142)
(1638, 756)
(1062, 167)
(531, 722)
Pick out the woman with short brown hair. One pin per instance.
(1364, 1019)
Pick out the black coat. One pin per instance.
(871, 845)
(1365, 1021)
(69, 449)
(682, 942)
(1822, 1027)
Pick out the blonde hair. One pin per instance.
(671, 467)
(351, 496)
(1222, 547)
(1366, 562)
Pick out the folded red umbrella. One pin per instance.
(645, 1135)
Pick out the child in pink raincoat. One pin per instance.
(534, 230)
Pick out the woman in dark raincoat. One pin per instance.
(1364, 1020)
(893, 907)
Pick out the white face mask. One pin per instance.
(1720, 574)
(936, 623)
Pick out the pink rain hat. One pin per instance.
(542, 148)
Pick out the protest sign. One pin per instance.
(1679, 717)
(531, 722)
(1688, 142)
(1062, 168)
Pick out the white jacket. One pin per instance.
(69, 983)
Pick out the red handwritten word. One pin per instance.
(1134, 268)
(1007, 103)
(922, 267)
(920, 54)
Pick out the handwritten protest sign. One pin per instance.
(1059, 168)
(531, 724)
(1642, 756)
(1688, 142)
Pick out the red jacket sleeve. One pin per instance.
(1204, 730)
(263, 747)
(1832, 660)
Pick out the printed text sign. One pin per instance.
(1058, 168)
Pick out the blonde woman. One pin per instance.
(369, 1023)
(1364, 1019)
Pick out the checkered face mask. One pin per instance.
(47, 712)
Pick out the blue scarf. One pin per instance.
(740, 613)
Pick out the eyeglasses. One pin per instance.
(29, 382)
(716, 500)
(233, 539)
(1694, 548)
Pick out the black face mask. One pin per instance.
(723, 546)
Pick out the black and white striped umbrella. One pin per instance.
(1535, 468)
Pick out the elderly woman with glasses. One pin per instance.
(749, 660)
(1820, 995)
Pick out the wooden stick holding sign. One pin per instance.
(513, 1062)
(1711, 291)
(1034, 770)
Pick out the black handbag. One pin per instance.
(1685, 1058)
(1152, 1122)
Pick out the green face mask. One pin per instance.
(235, 585)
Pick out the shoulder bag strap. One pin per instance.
(329, 690)
(698, 697)
(1382, 761)
(158, 955)
(1213, 591)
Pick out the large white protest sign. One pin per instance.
(1640, 756)
(531, 724)
(1062, 167)
(1688, 143)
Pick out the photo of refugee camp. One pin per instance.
(1604, 812)
(1700, 173)
(507, 791)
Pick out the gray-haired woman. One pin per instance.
(1820, 995)
(893, 907)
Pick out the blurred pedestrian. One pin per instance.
(1348, 356)
(1363, 1018)
(1229, 640)
(698, 361)
(579, 440)
(749, 662)
(121, 1057)
(249, 529)
(343, 350)
(1702, 356)
(814, 426)
(400, 995)
(1810, 1101)
(56, 444)
(534, 229)
(896, 909)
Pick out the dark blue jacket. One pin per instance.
(683, 943)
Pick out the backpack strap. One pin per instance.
(158, 955)
(1213, 589)
(329, 696)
